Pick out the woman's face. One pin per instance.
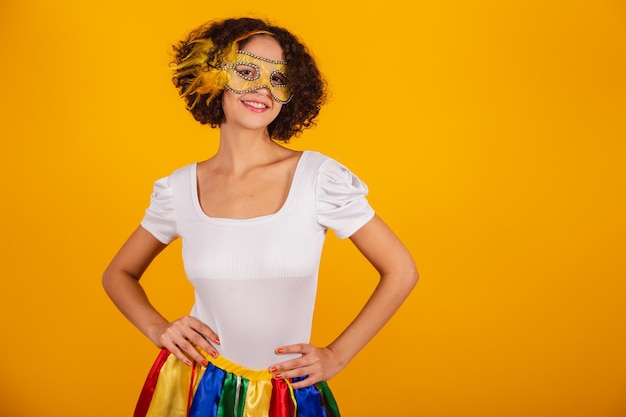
(258, 108)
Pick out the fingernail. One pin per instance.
(188, 363)
(214, 354)
(217, 340)
(278, 376)
(205, 362)
(280, 350)
(273, 369)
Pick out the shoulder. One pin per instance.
(329, 170)
(175, 176)
(184, 171)
(322, 164)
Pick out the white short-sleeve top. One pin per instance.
(255, 279)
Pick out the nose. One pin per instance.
(263, 91)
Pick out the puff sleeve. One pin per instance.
(341, 203)
(160, 216)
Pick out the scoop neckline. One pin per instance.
(229, 220)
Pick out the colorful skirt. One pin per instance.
(225, 389)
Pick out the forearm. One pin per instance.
(121, 282)
(130, 298)
(388, 296)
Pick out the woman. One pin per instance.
(252, 220)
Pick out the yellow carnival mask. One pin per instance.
(250, 72)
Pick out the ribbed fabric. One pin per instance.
(255, 279)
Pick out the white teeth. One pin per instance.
(255, 104)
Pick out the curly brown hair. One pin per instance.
(305, 79)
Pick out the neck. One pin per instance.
(241, 149)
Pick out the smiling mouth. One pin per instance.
(255, 104)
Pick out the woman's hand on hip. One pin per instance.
(316, 364)
(182, 336)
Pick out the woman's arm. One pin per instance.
(398, 275)
(121, 283)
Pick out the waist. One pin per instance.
(236, 369)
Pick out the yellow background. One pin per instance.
(491, 135)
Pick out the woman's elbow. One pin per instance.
(412, 276)
(108, 279)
